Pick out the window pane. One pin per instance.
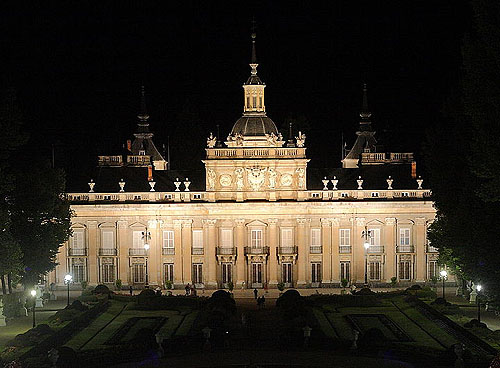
(108, 239)
(198, 238)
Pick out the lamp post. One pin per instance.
(478, 288)
(33, 294)
(67, 279)
(366, 235)
(443, 274)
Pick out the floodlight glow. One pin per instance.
(366, 245)
(443, 273)
(33, 293)
(146, 246)
(68, 278)
(479, 287)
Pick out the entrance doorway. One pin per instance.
(287, 274)
(257, 275)
(227, 273)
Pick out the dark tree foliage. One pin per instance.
(11, 138)
(40, 217)
(463, 156)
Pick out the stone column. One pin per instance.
(419, 237)
(358, 251)
(335, 251)
(273, 260)
(240, 260)
(62, 264)
(390, 248)
(301, 243)
(186, 251)
(92, 252)
(210, 257)
(154, 257)
(178, 261)
(122, 246)
(326, 244)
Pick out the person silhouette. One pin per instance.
(255, 293)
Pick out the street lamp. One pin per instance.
(478, 288)
(67, 279)
(33, 294)
(443, 274)
(366, 235)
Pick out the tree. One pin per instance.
(11, 138)
(40, 217)
(463, 155)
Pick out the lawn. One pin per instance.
(96, 335)
(424, 333)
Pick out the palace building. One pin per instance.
(256, 217)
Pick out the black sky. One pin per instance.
(78, 68)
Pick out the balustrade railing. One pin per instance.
(77, 251)
(405, 249)
(316, 249)
(197, 251)
(227, 251)
(257, 250)
(344, 249)
(137, 252)
(376, 249)
(108, 251)
(168, 251)
(287, 250)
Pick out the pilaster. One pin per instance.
(122, 246)
(178, 264)
(154, 253)
(420, 240)
(358, 251)
(301, 243)
(326, 244)
(335, 257)
(240, 246)
(92, 252)
(390, 248)
(273, 257)
(186, 239)
(210, 258)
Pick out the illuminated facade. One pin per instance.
(256, 216)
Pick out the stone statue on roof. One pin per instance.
(211, 140)
(301, 140)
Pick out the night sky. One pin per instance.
(78, 68)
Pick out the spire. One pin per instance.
(254, 36)
(143, 115)
(365, 114)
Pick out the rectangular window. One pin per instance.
(138, 239)
(432, 269)
(138, 273)
(404, 270)
(315, 272)
(374, 268)
(254, 101)
(404, 236)
(168, 239)
(198, 273)
(197, 238)
(286, 237)
(256, 238)
(226, 238)
(248, 102)
(108, 272)
(168, 272)
(345, 237)
(374, 235)
(78, 269)
(260, 101)
(78, 239)
(315, 237)
(227, 273)
(345, 271)
(108, 239)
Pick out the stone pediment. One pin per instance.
(256, 223)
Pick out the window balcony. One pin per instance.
(257, 250)
(108, 251)
(344, 249)
(137, 252)
(405, 249)
(77, 251)
(287, 250)
(197, 251)
(168, 251)
(316, 249)
(227, 251)
(431, 249)
(376, 249)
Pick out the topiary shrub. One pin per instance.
(64, 315)
(394, 281)
(102, 290)
(440, 301)
(12, 305)
(146, 297)
(118, 284)
(281, 286)
(77, 305)
(168, 285)
(221, 302)
(31, 337)
(474, 323)
(291, 304)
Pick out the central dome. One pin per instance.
(254, 126)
